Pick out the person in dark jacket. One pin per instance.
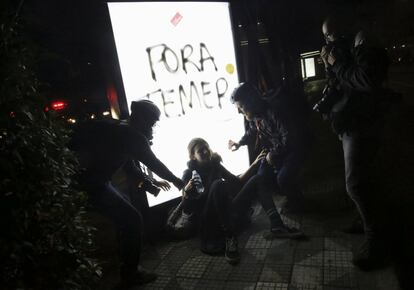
(280, 122)
(105, 146)
(358, 120)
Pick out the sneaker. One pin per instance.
(184, 227)
(371, 255)
(174, 214)
(184, 221)
(284, 231)
(140, 277)
(232, 251)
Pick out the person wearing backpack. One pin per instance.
(105, 146)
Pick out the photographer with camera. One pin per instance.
(103, 147)
(353, 108)
(338, 45)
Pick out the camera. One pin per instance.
(149, 186)
(330, 96)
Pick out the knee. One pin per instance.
(218, 187)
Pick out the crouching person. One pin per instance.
(105, 146)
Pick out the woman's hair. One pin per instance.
(194, 142)
(200, 141)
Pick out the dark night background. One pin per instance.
(76, 35)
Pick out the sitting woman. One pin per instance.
(198, 207)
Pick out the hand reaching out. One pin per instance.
(233, 146)
(327, 57)
(261, 156)
(164, 185)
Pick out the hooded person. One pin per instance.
(103, 147)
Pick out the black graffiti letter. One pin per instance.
(189, 100)
(182, 93)
(220, 95)
(185, 59)
(165, 102)
(164, 59)
(202, 59)
(151, 63)
(205, 93)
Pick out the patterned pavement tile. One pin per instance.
(271, 286)
(305, 287)
(257, 241)
(218, 269)
(254, 254)
(276, 273)
(305, 275)
(339, 276)
(338, 244)
(246, 271)
(311, 243)
(340, 259)
(187, 283)
(210, 284)
(309, 257)
(280, 255)
(194, 267)
(338, 288)
(237, 285)
(162, 282)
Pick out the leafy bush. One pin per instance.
(44, 240)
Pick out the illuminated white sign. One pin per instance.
(181, 56)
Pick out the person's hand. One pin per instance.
(178, 183)
(270, 158)
(324, 55)
(327, 57)
(260, 157)
(189, 188)
(331, 58)
(164, 185)
(233, 146)
(190, 185)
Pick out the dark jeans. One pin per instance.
(287, 176)
(258, 186)
(217, 212)
(360, 151)
(108, 201)
(267, 180)
(194, 206)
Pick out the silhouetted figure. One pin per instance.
(280, 122)
(356, 115)
(105, 146)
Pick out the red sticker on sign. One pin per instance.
(176, 19)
